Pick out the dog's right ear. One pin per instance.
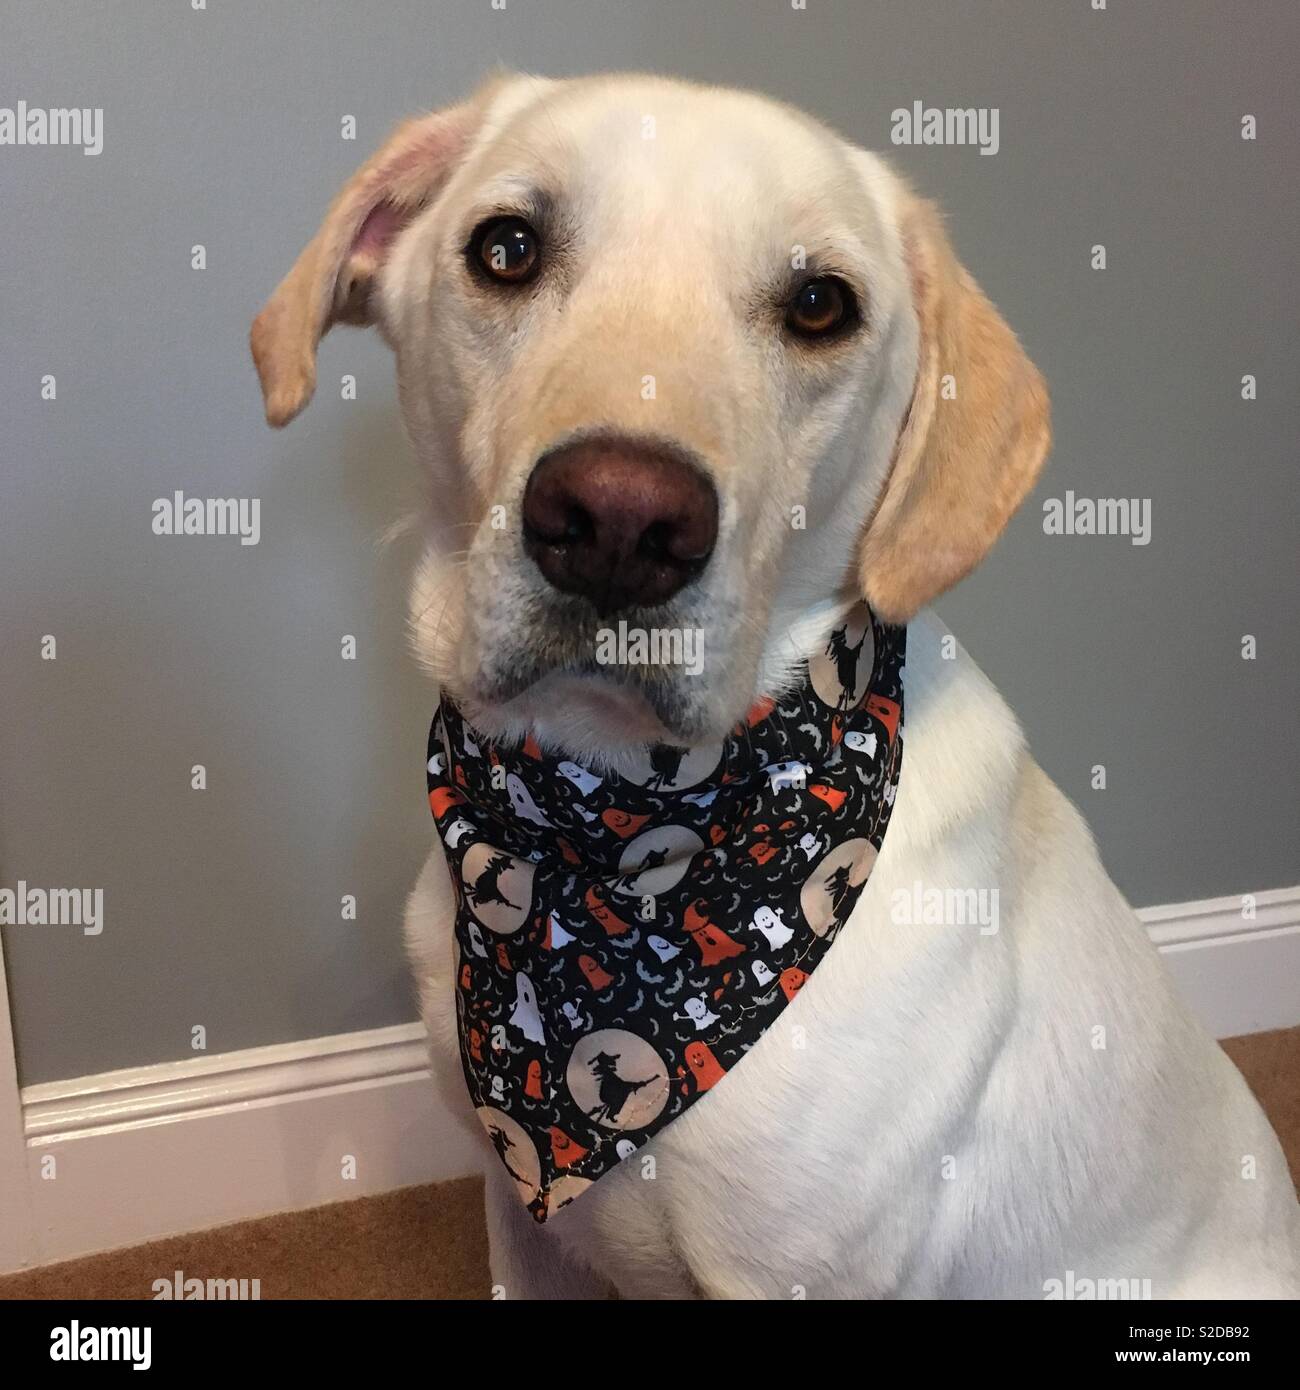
(333, 280)
(964, 461)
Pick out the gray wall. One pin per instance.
(222, 128)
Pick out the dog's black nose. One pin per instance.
(622, 522)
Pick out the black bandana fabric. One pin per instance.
(624, 940)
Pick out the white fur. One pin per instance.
(935, 1114)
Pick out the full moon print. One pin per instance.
(666, 768)
(514, 1148)
(655, 861)
(831, 889)
(617, 1079)
(840, 671)
(498, 888)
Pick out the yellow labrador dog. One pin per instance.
(681, 352)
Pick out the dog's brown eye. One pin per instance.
(508, 250)
(820, 307)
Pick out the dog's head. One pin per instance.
(688, 372)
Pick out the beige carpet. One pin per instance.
(429, 1242)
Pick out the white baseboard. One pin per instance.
(17, 1234)
(1241, 974)
(130, 1156)
(159, 1150)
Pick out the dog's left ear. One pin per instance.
(974, 441)
(334, 278)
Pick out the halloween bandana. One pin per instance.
(624, 940)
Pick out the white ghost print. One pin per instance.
(525, 807)
(860, 742)
(559, 937)
(525, 1015)
(585, 781)
(763, 975)
(698, 1011)
(769, 922)
(791, 774)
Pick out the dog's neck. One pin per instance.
(794, 640)
(814, 676)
